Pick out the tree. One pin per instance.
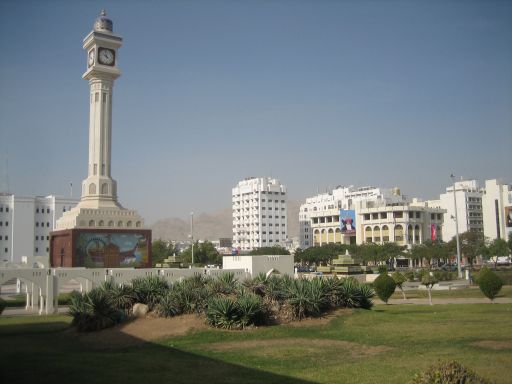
(204, 253)
(399, 279)
(498, 247)
(429, 281)
(490, 284)
(472, 244)
(275, 250)
(161, 250)
(384, 287)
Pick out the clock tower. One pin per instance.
(99, 206)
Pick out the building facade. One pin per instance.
(405, 224)
(497, 209)
(468, 196)
(259, 213)
(322, 217)
(26, 223)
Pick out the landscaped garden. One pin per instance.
(389, 344)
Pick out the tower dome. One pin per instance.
(103, 23)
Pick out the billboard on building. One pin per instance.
(96, 249)
(508, 217)
(433, 232)
(348, 221)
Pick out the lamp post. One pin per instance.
(192, 234)
(459, 272)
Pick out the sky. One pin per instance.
(315, 93)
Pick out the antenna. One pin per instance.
(71, 189)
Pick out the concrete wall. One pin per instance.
(260, 264)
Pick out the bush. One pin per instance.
(149, 290)
(490, 284)
(93, 311)
(409, 275)
(2, 305)
(384, 287)
(382, 269)
(222, 313)
(448, 373)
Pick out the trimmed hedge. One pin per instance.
(384, 286)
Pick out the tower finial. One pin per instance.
(103, 23)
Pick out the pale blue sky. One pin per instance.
(315, 93)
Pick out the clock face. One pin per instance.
(91, 57)
(106, 56)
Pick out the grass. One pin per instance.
(472, 292)
(409, 339)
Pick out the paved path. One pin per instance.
(436, 301)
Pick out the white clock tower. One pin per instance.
(98, 206)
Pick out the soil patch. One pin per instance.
(350, 348)
(141, 330)
(493, 344)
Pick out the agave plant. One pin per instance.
(122, 297)
(149, 290)
(93, 311)
(222, 312)
(299, 297)
(170, 305)
(275, 289)
(366, 293)
(250, 309)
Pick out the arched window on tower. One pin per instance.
(104, 189)
(92, 189)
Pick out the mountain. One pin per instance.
(213, 226)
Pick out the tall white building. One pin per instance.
(469, 208)
(497, 209)
(259, 213)
(26, 223)
(99, 206)
(319, 216)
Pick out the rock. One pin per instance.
(140, 310)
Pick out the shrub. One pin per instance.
(2, 305)
(384, 287)
(169, 305)
(122, 297)
(306, 297)
(222, 312)
(399, 279)
(448, 373)
(149, 290)
(382, 269)
(250, 309)
(93, 311)
(366, 293)
(409, 275)
(428, 281)
(490, 284)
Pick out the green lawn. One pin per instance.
(385, 345)
(471, 292)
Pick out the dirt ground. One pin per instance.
(142, 330)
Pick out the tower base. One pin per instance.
(100, 248)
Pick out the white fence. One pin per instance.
(43, 284)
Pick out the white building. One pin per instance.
(469, 208)
(405, 223)
(259, 213)
(497, 209)
(255, 265)
(99, 206)
(26, 223)
(319, 216)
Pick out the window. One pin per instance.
(47, 210)
(0, 237)
(6, 223)
(37, 238)
(47, 237)
(37, 210)
(6, 250)
(37, 249)
(6, 209)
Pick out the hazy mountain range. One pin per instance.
(212, 226)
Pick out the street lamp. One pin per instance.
(192, 234)
(456, 227)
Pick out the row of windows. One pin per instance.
(475, 199)
(42, 238)
(6, 223)
(2, 209)
(42, 224)
(42, 210)
(5, 237)
(47, 249)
